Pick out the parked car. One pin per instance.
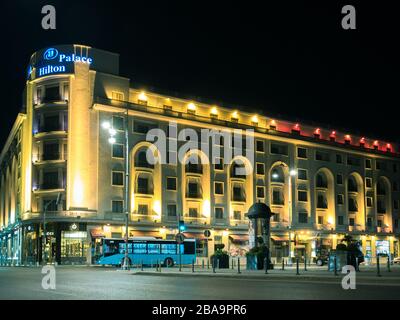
(396, 260)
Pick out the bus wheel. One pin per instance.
(169, 262)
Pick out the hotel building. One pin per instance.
(321, 184)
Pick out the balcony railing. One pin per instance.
(143, 190)
(143, 164)
(50, 99)
(51, 156)
(50, 128)
(194, 195)
(50, 186)
(194, 169)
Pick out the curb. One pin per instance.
(269, 276)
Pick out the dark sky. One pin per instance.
(288, 58)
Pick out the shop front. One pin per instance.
(74, 242)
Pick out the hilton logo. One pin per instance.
(50, 69)
(50, 54)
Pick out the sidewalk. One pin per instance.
(367, 274)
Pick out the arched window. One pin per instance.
(352, 185)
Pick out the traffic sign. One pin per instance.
(207, 233)
(180, 237)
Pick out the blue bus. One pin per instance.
(147, 250)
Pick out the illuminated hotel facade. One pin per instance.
(321, 184)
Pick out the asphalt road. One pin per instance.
(97, 283)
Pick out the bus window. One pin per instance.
(122, 248)
(168, 248)
(153, 248)
(139, 248)
(110, 247)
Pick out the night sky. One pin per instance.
(292, 59)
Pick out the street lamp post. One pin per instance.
(292, 173)
(112, 140)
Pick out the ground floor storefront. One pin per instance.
(81, 242)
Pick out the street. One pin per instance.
(108, 283)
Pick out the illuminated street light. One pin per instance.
(112, 132)
(293, 172)
(106, 125)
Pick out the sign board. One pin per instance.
(207, 233)
(180, 237)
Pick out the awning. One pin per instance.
(195, 235)
(239, 237)
(142, 233)
(97, 233)
(280, 238)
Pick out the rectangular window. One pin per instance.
(302, 174)
(143, 127)
(260, 168)
(340, 220)
(219, 163)
(50, 180)
(353, 207)
(339, 179)
(322, 156)
(117, 206)
(302, 195)
(218, 187)
(219, 213)
(394, 167)
(118, 123)
(396, 223)
(171, 183)
(277, 197)
(143, 185)
(368, 164)
(260, 192)
(117, 150)
(396, 205)
(143, 209)
(279, 149)
(369, 202)
(50, 151)
(171, 210)
(351, 222)
(52, 93)
(193, 212)
(368, 182)
(380, 165)
(116, 95)
(395, 186)
(320, 220)
(379, 223)
(302, 153)
(352, 161)
(117, 178)
(259, 145)
(339, 158)
(303, 217)
(340, 199)
(369, 222)
(237, 215)
(321, 202)
(193, 190)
